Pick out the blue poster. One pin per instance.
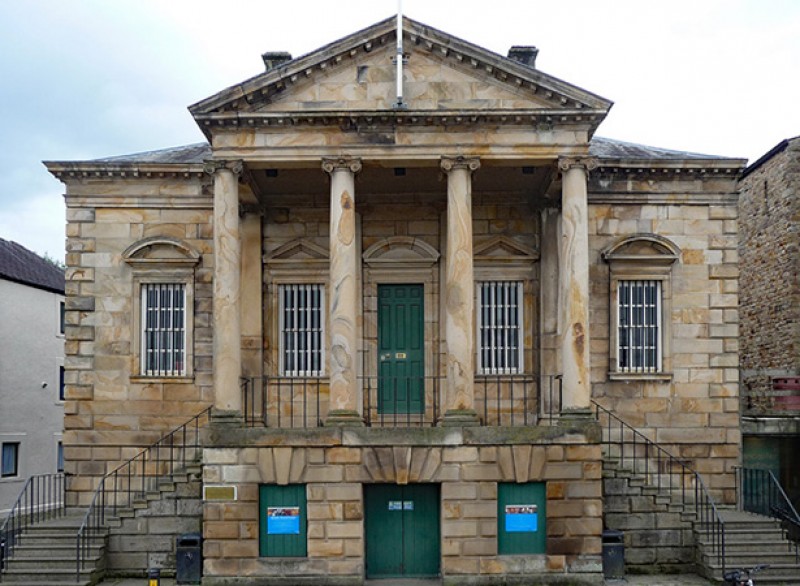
(283, 520)
(522, 519)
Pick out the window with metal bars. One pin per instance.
(639, 326)
(302, 330)
(163, 310)
(499, 324)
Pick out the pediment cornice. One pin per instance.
(266, 87)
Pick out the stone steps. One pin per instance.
(45, 554)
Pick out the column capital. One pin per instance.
(587, 163)
(448, 163)
(236, 166)
(352, 164)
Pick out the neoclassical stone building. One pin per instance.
(401, 310)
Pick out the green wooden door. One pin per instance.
(521, 518)
(401, 367)
(402, 530)
(282, 520)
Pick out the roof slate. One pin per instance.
(21, 265)
(602, 148)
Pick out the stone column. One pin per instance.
(574, 287)
(345, 407)
(227, 289)
(459, 303)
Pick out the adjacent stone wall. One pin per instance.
(694, 409)
(110, 413)
(468, 463)
(769, 249)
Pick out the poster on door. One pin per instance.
(522, 519)
(283, 520)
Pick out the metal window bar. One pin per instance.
(639, 326)
(301, 325)
(499, 327)
(163, 329)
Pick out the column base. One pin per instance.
(226, 417)
(460, 418)
(344, 418)
(577, 413)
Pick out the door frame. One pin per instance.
(409, 261)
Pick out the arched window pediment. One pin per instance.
(643, 248)
(401, 250)
(161, 250)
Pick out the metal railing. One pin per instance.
(132, 480)
(759, 492)
(287, 402)
(302, 402)
(43, 497)
(667, 473)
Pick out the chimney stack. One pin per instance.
(525, 54)
(273, 59)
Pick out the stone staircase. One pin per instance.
(662, 535)
(45, 554)
(751, 540)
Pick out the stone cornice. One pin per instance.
(672, 170)
(68, 171)
(540, 119)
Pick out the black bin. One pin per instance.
(613, 554)
(188, 558)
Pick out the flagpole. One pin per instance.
(399, 56)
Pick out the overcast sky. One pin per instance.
(83, 79)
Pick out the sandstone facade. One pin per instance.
(432, 295)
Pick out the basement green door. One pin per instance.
(402, 530)
(400, 349)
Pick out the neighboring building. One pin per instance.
(31, 368)
(769, 254)
(397, 288)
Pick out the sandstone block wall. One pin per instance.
(110, 413)
(769, 250)
(335, 466)
(694, 410)
(148, 540)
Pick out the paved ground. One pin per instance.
(658, 580)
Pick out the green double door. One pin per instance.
(401, 367)
(402, 530)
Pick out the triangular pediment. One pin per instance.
(503, 248)
(442, 73)
(298, 251)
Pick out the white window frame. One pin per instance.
(175, 358)
(500, 296)
(312, 335)
(638, 318)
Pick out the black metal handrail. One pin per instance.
(43, 497)
(761, 493)
(663, 469)
(302, 402)
(137, 476)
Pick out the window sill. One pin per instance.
(641, 376)
(177, 380)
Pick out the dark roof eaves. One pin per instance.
(35, 285)
(777, 149)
